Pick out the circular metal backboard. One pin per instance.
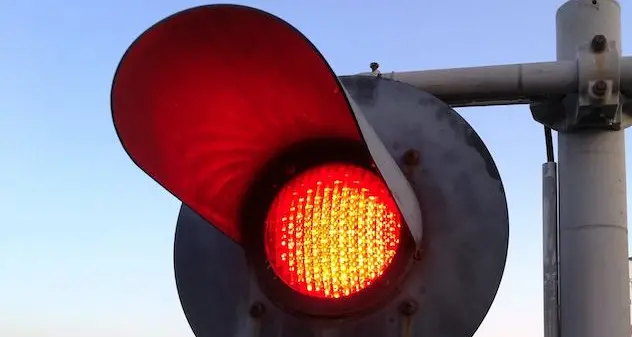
(464, 245)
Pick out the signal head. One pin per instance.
(294, 193)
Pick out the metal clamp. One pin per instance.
(597, 103)
(598, 66)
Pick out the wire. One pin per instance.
(548, 137)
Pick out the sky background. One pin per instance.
(86, 238)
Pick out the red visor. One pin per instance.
(204, 98)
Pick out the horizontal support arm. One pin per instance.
(504, 84)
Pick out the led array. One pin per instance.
(332, 230)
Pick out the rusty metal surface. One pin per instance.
(462, 199)
(464, 245)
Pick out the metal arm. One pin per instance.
(504, 84)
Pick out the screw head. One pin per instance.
(598, 43)
(599, 88)
(411, 158)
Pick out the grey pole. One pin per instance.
(550, 249)
(593, 240)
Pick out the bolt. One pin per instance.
(598, 43)
(408, 307)
(417, 255)
(599, 88)
(257, 310)
(411, 158)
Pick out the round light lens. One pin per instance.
(332, 230)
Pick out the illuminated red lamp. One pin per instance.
(332, 230)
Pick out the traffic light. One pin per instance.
(312, 205)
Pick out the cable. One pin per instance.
(548, 137)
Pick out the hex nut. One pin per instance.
(600, 88)
(598, 43)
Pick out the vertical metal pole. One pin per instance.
(550, 249)
(593, 238)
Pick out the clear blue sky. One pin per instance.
(86, 238)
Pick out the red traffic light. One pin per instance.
(332, 230)
(453, 278)
(238, 115)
